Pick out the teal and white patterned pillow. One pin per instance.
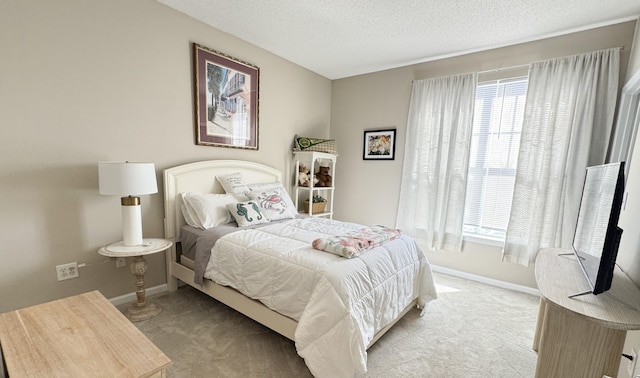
(247, 213)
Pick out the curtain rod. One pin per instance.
(502, 69)
(493, 70)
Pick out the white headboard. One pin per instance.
(200, 177)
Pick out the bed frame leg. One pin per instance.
(172, 282)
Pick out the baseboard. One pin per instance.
(486, 280)
(131, 297)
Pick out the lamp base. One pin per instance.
(131, 221)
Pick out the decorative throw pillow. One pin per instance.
(207, 210)
(315, 144)
(247, 213)
(274, 201)
(233, 183)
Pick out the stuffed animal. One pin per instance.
(303, 175)
(323, 177)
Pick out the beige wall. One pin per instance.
(91, 80)
(368, 190)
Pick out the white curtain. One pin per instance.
(567, 124)
(436, 160)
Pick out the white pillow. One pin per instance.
(262, 186)
(207, 210)
(187, 211)
(274, 200)
(233, 183)
(247, 213)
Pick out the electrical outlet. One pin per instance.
(121, 262)
(67, 271)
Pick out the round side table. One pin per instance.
(142, 309)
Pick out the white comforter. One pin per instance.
(339, 303)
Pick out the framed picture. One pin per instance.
(226, 100)
(379, 144)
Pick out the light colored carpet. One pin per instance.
(471, 330)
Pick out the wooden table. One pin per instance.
(79, 336)
(142, 309)
(583, 336)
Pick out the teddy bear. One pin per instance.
(303, 175)
(323, 177)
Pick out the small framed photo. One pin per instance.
(379, 144)
(226, 100)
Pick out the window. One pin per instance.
(495, 140)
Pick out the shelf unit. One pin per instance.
(313, 160)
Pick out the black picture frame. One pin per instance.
(379, 144)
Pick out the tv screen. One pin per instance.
(597, 235)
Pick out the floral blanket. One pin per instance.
(355, 243)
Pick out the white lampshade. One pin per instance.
(128, 180)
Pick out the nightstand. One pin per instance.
(142, 309)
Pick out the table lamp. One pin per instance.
(128, 180)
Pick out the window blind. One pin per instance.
(495, 141)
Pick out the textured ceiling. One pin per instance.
(341, 38)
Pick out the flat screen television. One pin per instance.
(597, 235)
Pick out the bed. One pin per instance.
(335, 320)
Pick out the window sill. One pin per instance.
(483, 240)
